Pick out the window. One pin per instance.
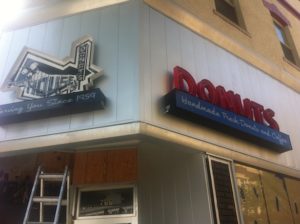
(293, 186)
(114, 203)
(229, 9)
(281, 25)
(267, 197)
(285, 42)
(223, 191)
(251, 193)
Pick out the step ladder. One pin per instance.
(43, 200)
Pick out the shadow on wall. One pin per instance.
(14, 196)
(16, 179)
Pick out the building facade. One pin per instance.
(164, 111)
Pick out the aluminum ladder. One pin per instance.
(43, 200)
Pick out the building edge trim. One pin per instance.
(290, 8)
(215, 149)
(35, 16)
(186, 19)
(275, 12)
(139, 130)
(69, 138)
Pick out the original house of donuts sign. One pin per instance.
(47, 86)
(224, 110)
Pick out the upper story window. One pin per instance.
(281, 26)
(227, 9)
(286, 43)
(230, 10)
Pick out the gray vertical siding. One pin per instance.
(167, 44)
(115, 32)
(172, 187)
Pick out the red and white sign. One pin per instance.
(227, 100)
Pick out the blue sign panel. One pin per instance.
(71, 103)
(192, 108)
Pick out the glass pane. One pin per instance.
(280, 34)
(293, 189)
(288, 53)
(230, 2)
(251, 194)
(224, 193)
(106, 202)
(276, 199)
(226, 10)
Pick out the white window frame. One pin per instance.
(124, 218)
(237, 8)
(287, 42)
(229, 163)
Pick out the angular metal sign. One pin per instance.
(36, 75)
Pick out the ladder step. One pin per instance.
(51, 177)
(49, 200)
(56, 201)
(39, 222)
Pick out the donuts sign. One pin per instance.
(214, 106)
(227, 100)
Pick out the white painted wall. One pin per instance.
(172, 186)
(115, 32)
(165, 44)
